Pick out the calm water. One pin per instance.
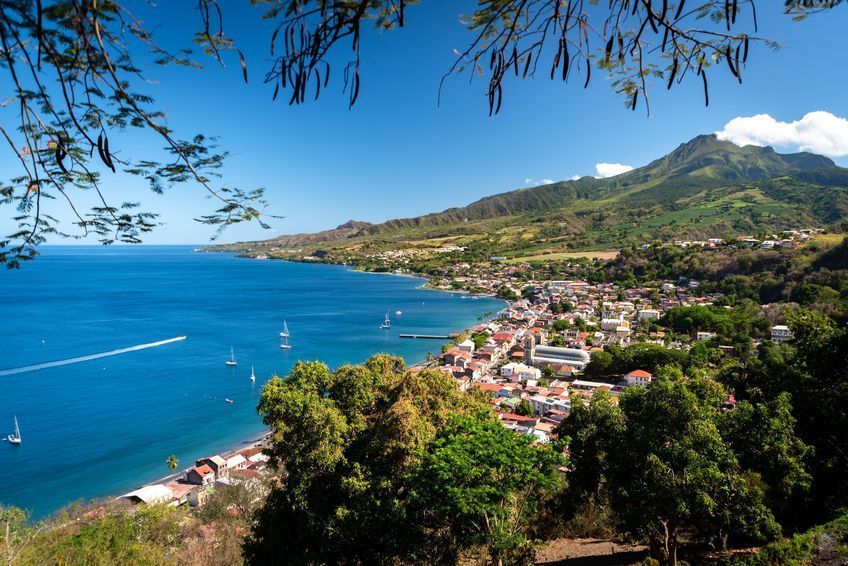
(106, 426)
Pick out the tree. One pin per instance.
(483, 481)
(525, 409)
(677, 472)
(15, 533)
(596, 432)
(343, 443)
(172, 462)
(507, 293)
(479, 339)
(64, 132)
(763, 438)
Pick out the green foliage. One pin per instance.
(479, 339)
(763, 437)
(483, 482)
(344, 442)
(659, 462)
(143, 535)
(823, 544)
(506, 293)
(524, 408)
(172, 462)
(616, 360)
(680, 472)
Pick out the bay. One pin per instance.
(106, 426)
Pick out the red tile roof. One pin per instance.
(639, 373)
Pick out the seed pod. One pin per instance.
(673, 74)
(243, 64)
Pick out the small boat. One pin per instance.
(285, 335)
(285, 332)
(228, 400)
(252, 376)
(232, 361)
(386, 323)
(398, 313)
(16, 437)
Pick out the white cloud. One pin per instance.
(575, 177)
(536, 183)
(819, 132)
(605, 170)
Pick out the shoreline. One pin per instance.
(263, 438)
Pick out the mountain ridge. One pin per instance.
(700, 180)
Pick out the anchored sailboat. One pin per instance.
(285, 332)
(16, 437)
(386, 323)
(232, 361)
(252, 376)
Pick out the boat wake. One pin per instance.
(90, 357)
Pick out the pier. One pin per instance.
(426, 336)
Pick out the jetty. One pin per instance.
(427, 336)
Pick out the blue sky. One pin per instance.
(397, 154)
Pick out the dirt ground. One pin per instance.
(590, 552)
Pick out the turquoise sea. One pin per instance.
(106, 426)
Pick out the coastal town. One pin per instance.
(194, 486)
(531, 357)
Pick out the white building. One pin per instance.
(466, 346)
(649, 314)
(519, 372)
(579, 359)
(780, 333)
(638, 377)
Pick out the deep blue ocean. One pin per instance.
(106, 426)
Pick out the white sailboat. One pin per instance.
(252, 376)
(16, 437)
(285, 332)
(232, 361)
(386, 323)
(285, 345)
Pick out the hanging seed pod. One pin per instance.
(673, 74)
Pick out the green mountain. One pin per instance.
(704, 188)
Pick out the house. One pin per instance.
(466, 346)
(780, 333)
(520, 372)
(592, 386)
(201, 475)
(610, 324)
(649, 314)
(218, 465)
(236, 462)
(704, 335)
(150, 494)
(198, 496)
(638, 377)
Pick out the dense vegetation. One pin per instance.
(382, 464)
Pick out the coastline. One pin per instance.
(253, 440)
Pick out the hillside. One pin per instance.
(705, 187)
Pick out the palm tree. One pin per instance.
(173, 462)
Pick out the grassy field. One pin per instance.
(829, 239)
